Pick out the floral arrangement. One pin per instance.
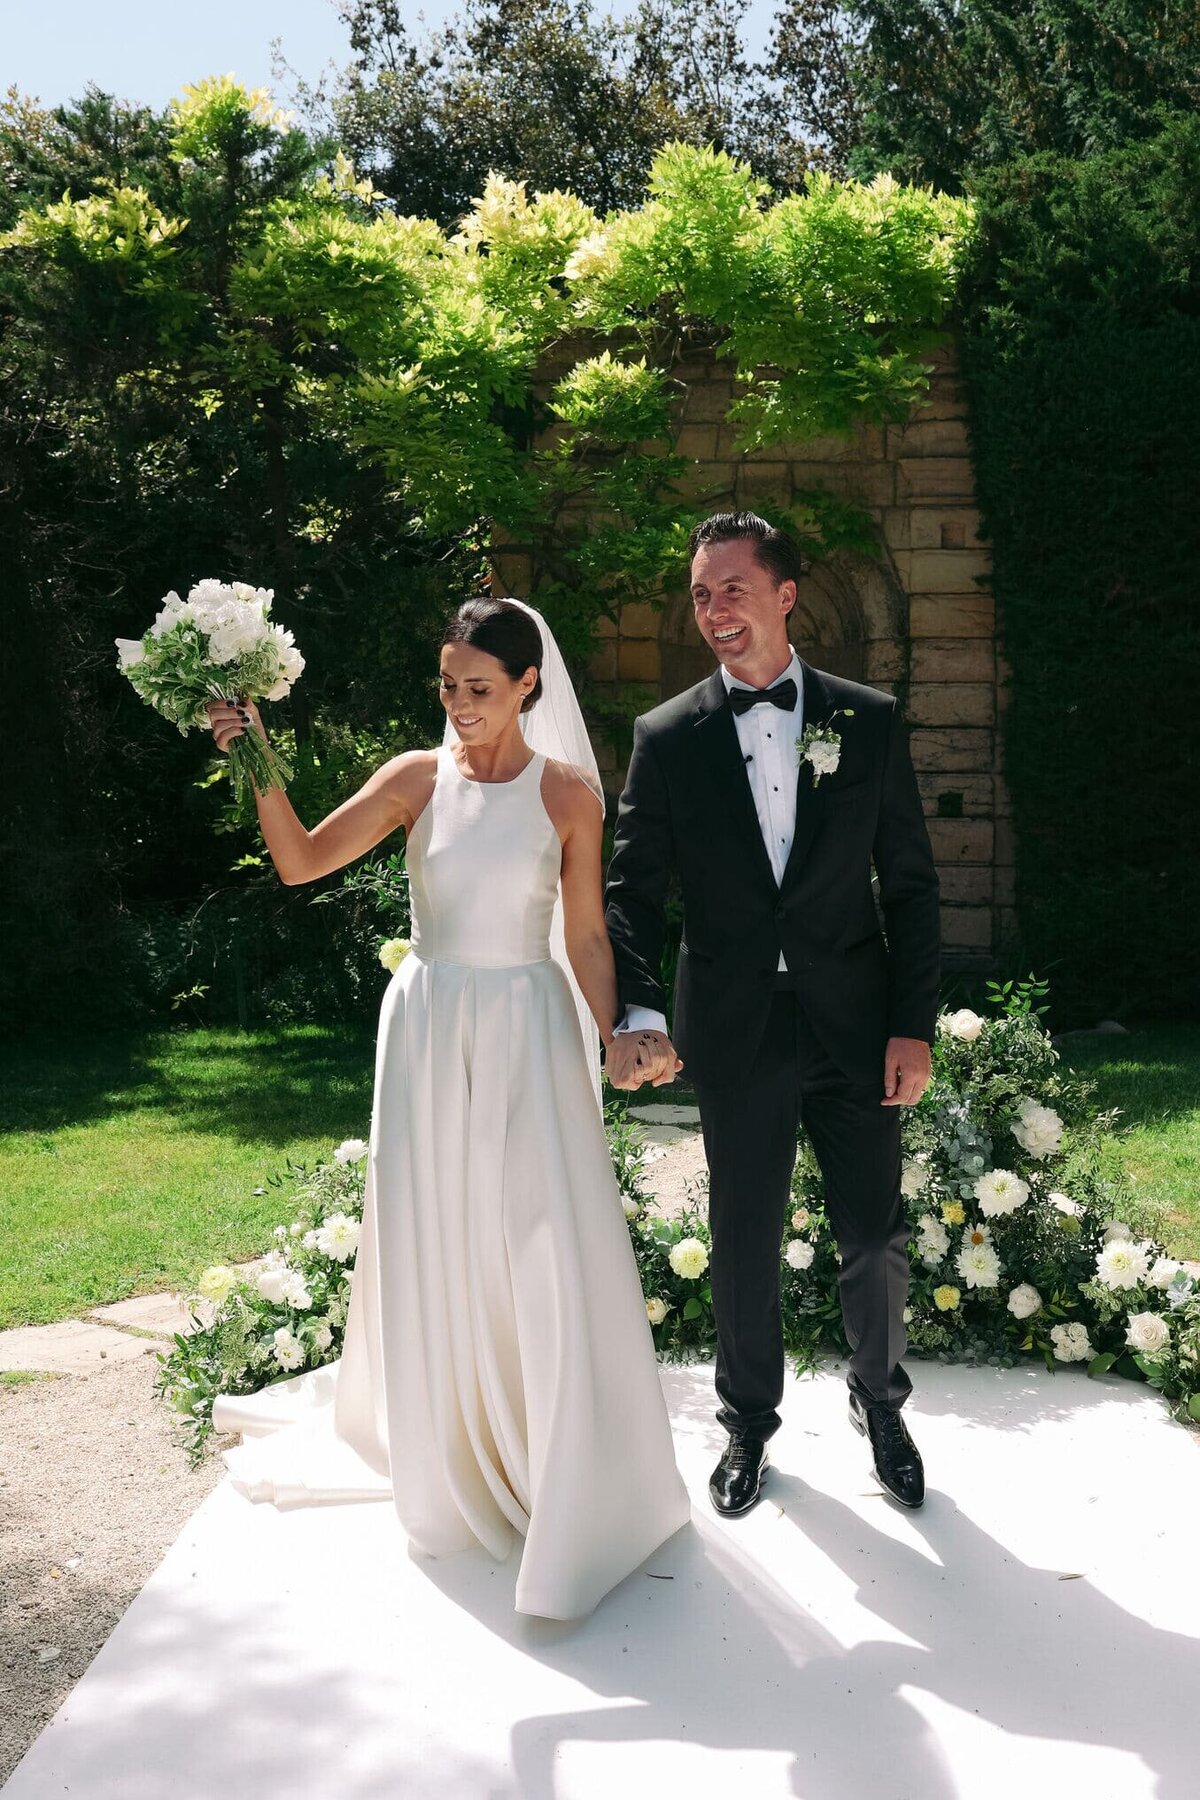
(1016, 1248)
(217, 644)
(821, 746)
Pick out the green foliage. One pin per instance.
(1082, 358)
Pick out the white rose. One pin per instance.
(1071, 1342)
(1000, 1192)
(322, 1337)
(801, 1219)
(913, 1177)
(824, 757)
(1122, 1264)
(338, 1237)
(271, 1283)
(963, 1024)
(656, 1311)
(295, 1291)
(978, 1265)
(1163, 1271)
(1148, 1333)
(352, 1150)
(1038, 1130)
(1024, 1301)
(799, 1253)
(688, 1258)
(216, 1284)
(289, 1351)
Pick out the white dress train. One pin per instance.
(498, 1375)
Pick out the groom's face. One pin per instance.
(741, 610)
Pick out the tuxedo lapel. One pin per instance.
(724, 771)
(819, 704)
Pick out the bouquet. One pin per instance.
(218, 644)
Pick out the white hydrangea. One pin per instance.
(1163, 1271)
(933, 1240)
(1000, 1192)
(1147, 1333)
(1038, 1129)
(295, 1291)
(689, 1258)
(824, 757)
(656, 1310)
(338, 1237)
(351, 1150)
(1122, 1264)
(799, 1253)
(289, 1351)
(216, 1284)
(963, 1024)
(913, 1177)
(1024, 1301)
(1071, 1342)
(979, 1265)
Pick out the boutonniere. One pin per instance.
(821, 745)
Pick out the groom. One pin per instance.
(790, 1004)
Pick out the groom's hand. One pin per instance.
(907, 1066)
(637, 1056)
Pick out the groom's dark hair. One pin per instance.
(774, 550)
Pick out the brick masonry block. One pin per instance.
(602, 664)
(951, 703)
(951, 615)
(700, 441)
(967, 927)
(1006, 844)
(935, 478)
(638, 661)
(1006, 886)
(945, 400)
(708, 402)
(974, 791)
(942, 571)
(764, 478)
(867, 484)
(953, 659)
(640, 620)
(885, 661)
(711, 482)
(961, 840)
(967, 886)
(959, 749)
(924, 436)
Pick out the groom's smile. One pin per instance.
(741, 610)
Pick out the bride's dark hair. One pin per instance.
(504, 631)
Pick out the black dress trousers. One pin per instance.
(750, 1139)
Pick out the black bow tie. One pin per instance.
(783, 695)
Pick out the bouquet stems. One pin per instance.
(254, 763)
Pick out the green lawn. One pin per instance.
(1153, 1075)
(127, 1163)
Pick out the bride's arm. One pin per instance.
(579, 821)
(392, 797)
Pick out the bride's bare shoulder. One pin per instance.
(569, 797)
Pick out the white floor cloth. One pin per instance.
(1035, 1631)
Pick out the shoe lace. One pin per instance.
(891, 1429)
(742, 1453)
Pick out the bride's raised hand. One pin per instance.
(230, 718)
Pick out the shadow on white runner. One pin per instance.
(1035, 1629)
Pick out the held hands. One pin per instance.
(634, 1057)
(907, 1066)
(230, 718)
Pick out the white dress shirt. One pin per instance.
(767, 737)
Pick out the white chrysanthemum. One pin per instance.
(1038, 1130)
(933, 1240)
(799, 1253)
(295, 1291)
(1116, 1228)
(689, 1258)
(338, 1237)
(1000, 1192)
(824, 757)
(801, 1219)
(351, 1150)
(1122, 1264)
(216, 1284)
(656, 1310)
(1148, 1333)
(289, 1351)
(1071, 1343)
(1024, 1301)
(322, 1337)
(913, 1177)
(1163, 1271)
(962, 1024)
(393, 953)
(270, 1282)
(979, 1265)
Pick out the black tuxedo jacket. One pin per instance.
(688, 811)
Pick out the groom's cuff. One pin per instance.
(641, 1018)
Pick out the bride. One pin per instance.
(498, 1376)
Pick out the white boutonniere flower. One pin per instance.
(821, 745)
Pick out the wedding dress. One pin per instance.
(498, 1376)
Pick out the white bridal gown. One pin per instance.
(498, 1374)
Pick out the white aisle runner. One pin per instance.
(1035, 1630)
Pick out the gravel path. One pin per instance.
(94, 1488)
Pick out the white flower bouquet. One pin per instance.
(218, 644)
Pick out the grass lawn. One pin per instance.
(127, 1163)
(1153, 1075)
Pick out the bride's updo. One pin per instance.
(504, 631)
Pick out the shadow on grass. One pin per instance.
(1152, 1075)
(260, 1086)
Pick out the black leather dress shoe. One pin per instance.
(736, 1482)
(898, 1464)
